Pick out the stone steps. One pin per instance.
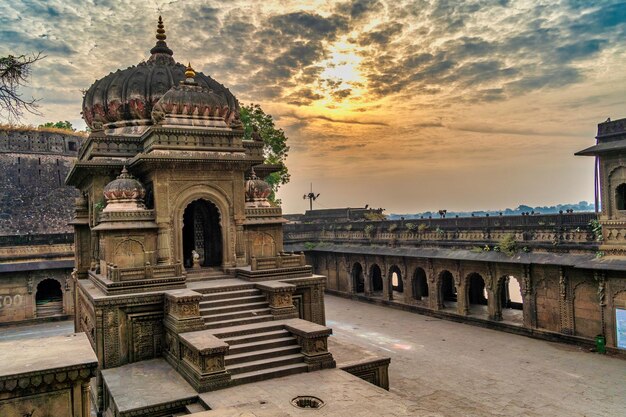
(254, 355)
(259, 352)
(276, 341)
(206, 310)
(265, 364)
(255, 337)
(210, 316)
(263, 374)
(237, 322)
(234, 307)
(232, 301)
(228, 295)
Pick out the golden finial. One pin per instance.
(189, 72)
(161, 30)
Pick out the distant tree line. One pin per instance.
(582, 206)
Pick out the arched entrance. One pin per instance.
(511, 301)
(476, 293)
(358, 281)
(395, 276)
(419, 284)
(377, 279)
(202, 232)
(448, 289)
(49, 298)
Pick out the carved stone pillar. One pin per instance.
(313, 338)
(240, 246)
(279, 295)
(528, 299)
(164, 253)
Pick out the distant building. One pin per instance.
(337, 214)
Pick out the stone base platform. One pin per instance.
(342, 394)
(154, 388)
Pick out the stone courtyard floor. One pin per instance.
(453, 369)
(443, 368)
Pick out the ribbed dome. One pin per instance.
(125, 188)
(190, 103)
(257, 191)
(127, 97)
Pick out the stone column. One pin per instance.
(164, 253)
(85, 400)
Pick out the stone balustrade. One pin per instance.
(279, 295)
(313, 338)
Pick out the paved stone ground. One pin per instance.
(444, 368)
(455, 369)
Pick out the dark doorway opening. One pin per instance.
(420, 284)
(477, 294)
(357, 278)
(377, 279)
(448, 289)
(49, 298)
(202, 232)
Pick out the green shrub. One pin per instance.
(310, 245)
(422, 227)
(369, 229)
(411, 227)
(393, 227)
(508, 244)
(596, 229)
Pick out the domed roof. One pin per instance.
(127, 97)
(124, 189)
(191, 104)
(257, 191)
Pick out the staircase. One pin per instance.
(234, 307)
(262, 352)
(206, 274)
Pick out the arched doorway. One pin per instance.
(511, 301)
(419, 284)
(448, 289)
(358, 281)
(202, 232)
(377, 279)
(395, 277)
(476, 292)
(49, 298)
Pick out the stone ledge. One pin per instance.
(307, 329)
(204, 342)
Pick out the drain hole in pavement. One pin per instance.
(307, 402)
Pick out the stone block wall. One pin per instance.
(33, 197)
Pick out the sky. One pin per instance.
(406, 105)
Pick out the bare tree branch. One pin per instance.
(14, 73)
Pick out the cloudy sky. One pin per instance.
(410, 105)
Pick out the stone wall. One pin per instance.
(33, 197)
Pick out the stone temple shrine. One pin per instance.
(181, 284)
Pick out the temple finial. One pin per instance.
(161, 46)
(189, 72)
(160, 30)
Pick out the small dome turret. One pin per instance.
(257, 191)
(191, 104)
(124, 193)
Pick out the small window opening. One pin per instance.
(620, 194)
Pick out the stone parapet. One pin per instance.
(313, 338)
(280, 297)
(182, 311)
(201, 360)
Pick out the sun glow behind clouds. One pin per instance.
(342, 84)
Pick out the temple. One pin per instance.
(181, 283)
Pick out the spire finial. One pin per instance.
(161, 46)
(189, 72)
(160, 30)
